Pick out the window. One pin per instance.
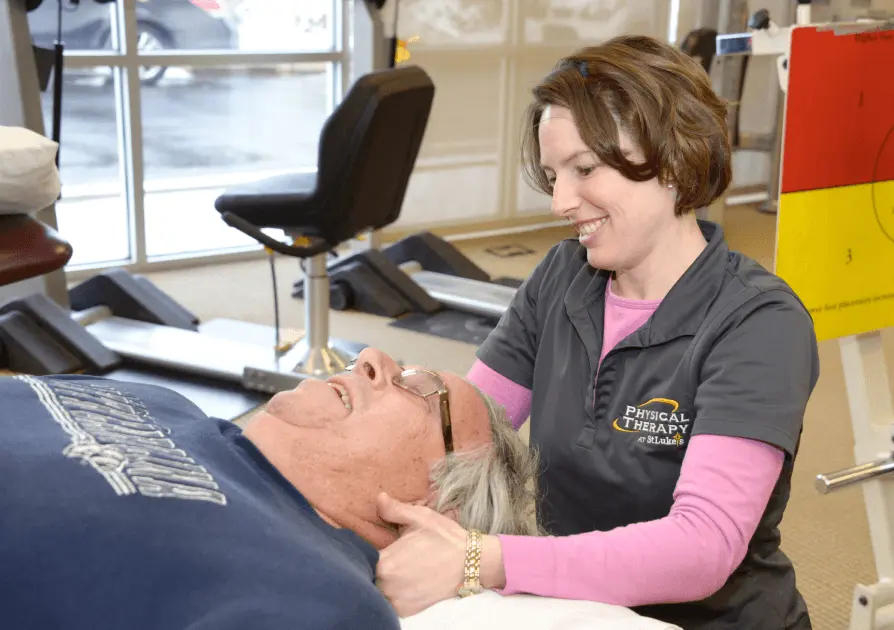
(297, 25)
(167, 103)
(205, 129)
(92, 211)
(85, 27)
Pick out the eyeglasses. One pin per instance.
(424, 383)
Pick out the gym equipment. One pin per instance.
(366, 153)
(766, 38)
(448, 276)
(862, 350)
(37, 336)
(421, 273)
(861, 347)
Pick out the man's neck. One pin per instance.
(342, 499)
(655, 277)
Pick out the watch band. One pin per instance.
(472, 573)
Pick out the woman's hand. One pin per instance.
(425, 565)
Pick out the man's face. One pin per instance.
(368, 424)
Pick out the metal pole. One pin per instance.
(316, 303)
(771, 205)
(774, 186)
(837, 480)
(317, 357)
(732, 16)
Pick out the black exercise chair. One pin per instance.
(367, 151)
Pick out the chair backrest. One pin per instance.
(368, 148)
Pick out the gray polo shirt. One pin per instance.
(731, 351)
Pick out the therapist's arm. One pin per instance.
(514, 398)
(723, 490)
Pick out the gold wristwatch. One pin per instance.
(471, 580)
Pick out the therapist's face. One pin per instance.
(619, 221)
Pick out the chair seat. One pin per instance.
(29, 248)
(276, 202)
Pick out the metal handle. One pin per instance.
(855, 474)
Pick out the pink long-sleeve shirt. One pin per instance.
(723, 489)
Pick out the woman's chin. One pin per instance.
(599, 258)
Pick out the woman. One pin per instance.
(666, 377)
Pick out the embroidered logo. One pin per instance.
(114, 433)
(657, 421)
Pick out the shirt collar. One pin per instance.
(682, 310)
(686, 305)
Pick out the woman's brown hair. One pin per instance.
(659, 96)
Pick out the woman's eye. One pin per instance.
(583, 171)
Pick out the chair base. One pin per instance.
(319, 362)
(323, 361)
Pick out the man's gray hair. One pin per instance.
(491, 488)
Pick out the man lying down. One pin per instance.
(124, 506)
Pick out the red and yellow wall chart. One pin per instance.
(835, 226)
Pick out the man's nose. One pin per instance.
(377, 366)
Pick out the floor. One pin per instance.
(826, 536)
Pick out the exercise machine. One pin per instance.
(366, 153)
(421, 273)
(355, 189)
(767, 38)
(858, 325)
(37, 336)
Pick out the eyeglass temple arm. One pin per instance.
(446, 423)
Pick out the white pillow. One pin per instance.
(492, 611)
(29, 179)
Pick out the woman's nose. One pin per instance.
(564, 202)
(377, 366)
